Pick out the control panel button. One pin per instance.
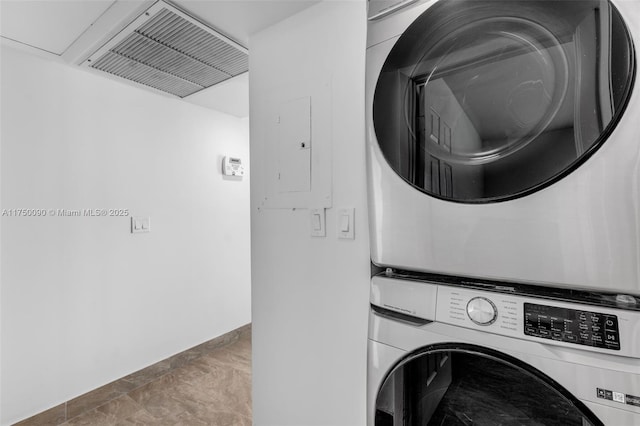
(593, 329)
(482, 311)
(611, 338)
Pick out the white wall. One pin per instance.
(84, 301)
(310, 295)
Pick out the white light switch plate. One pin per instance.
(317, 222)
(140, 224)
(345, 224)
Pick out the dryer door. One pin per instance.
(483, 101)
(470, 385)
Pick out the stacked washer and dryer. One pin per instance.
(504, 195)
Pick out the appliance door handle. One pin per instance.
(397, 316)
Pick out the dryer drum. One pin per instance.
(526, 107)
(460, 384)
(490, 100)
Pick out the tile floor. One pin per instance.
(213, 389)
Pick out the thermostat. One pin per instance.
(232, 166)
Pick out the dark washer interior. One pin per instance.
(463, 388)
(483, 101)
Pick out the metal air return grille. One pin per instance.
(169, 51)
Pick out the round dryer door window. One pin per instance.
(484, 101)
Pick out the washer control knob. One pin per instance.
(482, 311)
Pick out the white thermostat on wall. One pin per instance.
(232, 166)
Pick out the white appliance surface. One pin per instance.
(583, 231)
(579, 369)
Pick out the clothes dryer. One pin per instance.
(503, 140)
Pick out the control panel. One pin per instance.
(572, 326)
(232, 167)
(568, 324)
(492, 312)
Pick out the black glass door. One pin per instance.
(462, 385)
(483, 101)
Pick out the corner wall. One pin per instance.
(84, 301)
(310, 294)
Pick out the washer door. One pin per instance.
(458, 384)
(483, 101)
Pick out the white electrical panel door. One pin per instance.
(295, 141)
(294, 147)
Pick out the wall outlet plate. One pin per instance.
(140, 224)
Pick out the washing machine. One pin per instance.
(485, 354)
(503, 140)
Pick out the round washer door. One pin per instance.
(485, 101)
(459, 384)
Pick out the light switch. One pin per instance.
(345, 223)
(318, 228)
(140, 224)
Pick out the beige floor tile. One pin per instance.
(162, 405)
(120, 408)
(191, 371)
(209, 385)
(91, 418)
(141, 418)
(228, 358)
(144, 393)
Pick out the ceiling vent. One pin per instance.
(170, 51)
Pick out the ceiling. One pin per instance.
(66, 30)
(47, 25)
(238, 19)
